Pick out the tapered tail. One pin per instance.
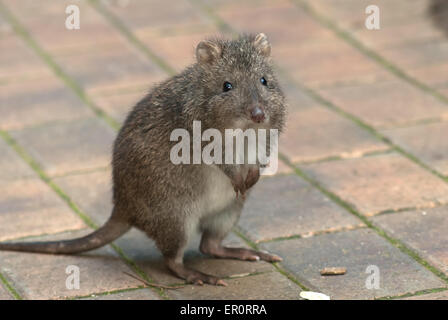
(110, 231)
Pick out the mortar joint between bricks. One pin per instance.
(370, 53)
(336, 199)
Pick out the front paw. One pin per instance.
(252, 177)
(239, 185)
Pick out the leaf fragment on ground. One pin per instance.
(333, 271)
(310, 295)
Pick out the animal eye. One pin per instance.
(263, 81)
(227, 86)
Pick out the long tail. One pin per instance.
(110, 231)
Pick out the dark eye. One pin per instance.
(227, 86)
(263, 81)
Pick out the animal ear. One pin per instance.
(262, 44)
(208, 51)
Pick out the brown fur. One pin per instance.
(168, 202)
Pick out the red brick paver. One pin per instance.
(363, 148)
(412, 228)
(356, 250)
(380, 183)
(42, 276)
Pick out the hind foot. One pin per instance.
(245, 254)
(214, 248)
(193, 276)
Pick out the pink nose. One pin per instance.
(257, 114)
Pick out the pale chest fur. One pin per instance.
(218, 192)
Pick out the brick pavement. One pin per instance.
(363, 181)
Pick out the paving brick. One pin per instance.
(46, 23)
(403, 32)
(314, 133)
(336, 137)
(427, 142)
(67, 147)
(12, 167)
(118, 105)
(386, 104)
(432, 74)
(355, 250)
(401, 10)
(417, 54)
(142, 250)
(443, 295)
(409, 33)
(379, 183)
(96, 55)
(286, 205)
(139, 294)
(301, 142)
(422, 230)
(296, 96)
(329, 62)
(155, 14)
(444, 91)
(30, 207)
(283, 168)
(4, 294)
(115, 65)
(266, 286)
(92, 192)
(322, 59)
(351, 13)
(348, 14)
(17, 60)
(177, 48)
(43, 276)
(30, 103)
(272, 18)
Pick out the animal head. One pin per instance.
(239, 84)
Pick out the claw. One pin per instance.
(199, 282)
(253, 258)
(252, 177)
(239, 186)
(221, 283)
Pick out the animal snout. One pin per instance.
(257, 114)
